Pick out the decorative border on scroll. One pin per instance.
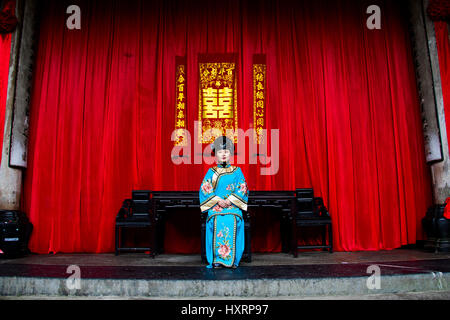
(180, 101)
(259, 96)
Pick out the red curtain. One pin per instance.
(443, 46)
(343, 97)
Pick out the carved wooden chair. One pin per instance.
(136, 213)
(311, 212)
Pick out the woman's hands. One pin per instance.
(224, 203)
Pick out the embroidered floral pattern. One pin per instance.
(224, 251)
(207, 187)
(223, 243)
(243, 188)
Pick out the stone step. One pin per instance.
(242, 288)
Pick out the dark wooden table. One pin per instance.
(284, 202)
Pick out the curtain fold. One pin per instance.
(343, 98)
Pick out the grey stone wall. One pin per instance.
(20, 127)
(15, 142)
(431, 99)
(11, 178)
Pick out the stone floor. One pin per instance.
(308, 265)
(258, 259)
(428, 295)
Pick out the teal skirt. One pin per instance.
(224, 238)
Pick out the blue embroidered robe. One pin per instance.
(224, 226)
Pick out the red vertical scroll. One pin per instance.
(180, 101)
(217, 97)
(259, 95)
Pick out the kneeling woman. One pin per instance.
(223, 194)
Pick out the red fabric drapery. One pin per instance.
(343, 97)
(447, 208)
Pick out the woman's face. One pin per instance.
(223, 155)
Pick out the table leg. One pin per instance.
(330, 235)
(117, 240)
(294, 227)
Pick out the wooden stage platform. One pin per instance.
(274, 275)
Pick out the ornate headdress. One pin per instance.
(222, 143)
